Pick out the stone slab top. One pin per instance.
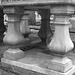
(35, 68)
(35, 2)
(43, 63)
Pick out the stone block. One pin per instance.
(13, 54)
(18, 70)
(37, 63)
(60, 64)
(29, 69)
(62, 9)
(11, 10)
(6, 73)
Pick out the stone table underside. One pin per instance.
(35, 2)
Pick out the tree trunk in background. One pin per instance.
(2, 27)
(32, 18)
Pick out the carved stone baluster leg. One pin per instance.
(13, 35)
(45, 30)
(25, 30)
(61, 41)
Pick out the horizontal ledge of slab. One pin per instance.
(36, 68)
(38, 2)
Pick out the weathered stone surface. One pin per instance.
(42, 63)
(13, 54)
(61, 42)
(19, 70)
(71, 55)
(60, 64)
(11, 10)
(24, 28)
(13, 35)
(62, 10)
(0, 71)
(43, 71)
(6, 73)
(27, 2)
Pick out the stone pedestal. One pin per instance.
(13, 54)
(36, 62)
(13, 35)
(61, 41)
(45, 30)
(24, 28)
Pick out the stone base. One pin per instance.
(35, 61)
(13, 54)
(3, 72)
(60, 64)
(14, 70)
(22, 68)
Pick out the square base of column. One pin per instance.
(13, 54)
(35, 61)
